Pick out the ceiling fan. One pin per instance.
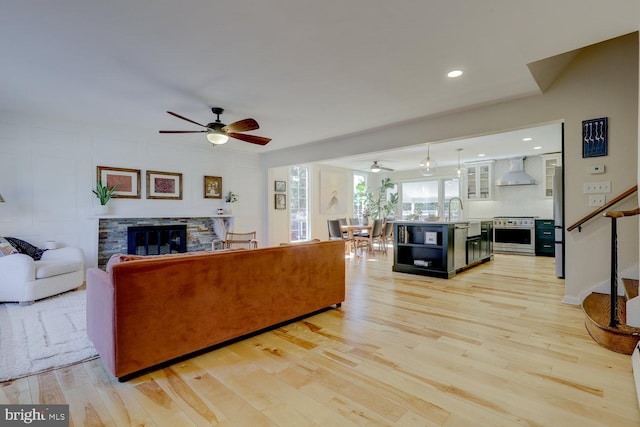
(375, 167)
(219, 133)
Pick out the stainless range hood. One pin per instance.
(516, 174)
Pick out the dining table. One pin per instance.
(358, 231)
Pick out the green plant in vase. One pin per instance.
(104, 193)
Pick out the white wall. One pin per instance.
(49, 169)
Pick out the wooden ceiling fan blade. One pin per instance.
(241, 126)
(184, 118)
(183, 131)
(253, 139)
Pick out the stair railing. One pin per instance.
(602, 208)
(614, 215)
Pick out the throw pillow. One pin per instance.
(26, 248)
(6, 248)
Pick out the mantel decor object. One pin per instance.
(594, 137)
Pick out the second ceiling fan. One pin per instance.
(219, 133)
(375, 167)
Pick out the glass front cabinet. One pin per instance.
(480, 181)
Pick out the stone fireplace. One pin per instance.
(199, 233)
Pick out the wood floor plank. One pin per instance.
(491, 346)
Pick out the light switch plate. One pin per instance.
(596, 169)
(597, 200)
(597, 187)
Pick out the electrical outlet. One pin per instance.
(597, 187)
(597, 200)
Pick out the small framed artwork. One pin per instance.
(594, 137)
(430, 237)
(164, 185)
(127, 180)
(213, 187)
(281, 186)
(281, 201)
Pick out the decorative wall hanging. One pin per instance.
(281, 201)
(213, 187)
(594, 137)
(164, 185)
(334, 192)
(128, 181)
(280, 186)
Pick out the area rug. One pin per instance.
(49, 334)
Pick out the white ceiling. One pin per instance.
(305, 70)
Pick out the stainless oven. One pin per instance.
(514, 235)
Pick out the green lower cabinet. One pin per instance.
(545, 237)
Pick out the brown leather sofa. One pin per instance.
(145, 311)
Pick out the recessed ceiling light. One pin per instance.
(481, 155)
(454, 73)
(537, 148)
(527, 139)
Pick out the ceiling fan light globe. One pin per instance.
(375, 169)
(217, 138)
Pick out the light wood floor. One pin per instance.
(492, 347)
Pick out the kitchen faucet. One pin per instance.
(449, 207)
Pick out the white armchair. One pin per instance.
(24, 280)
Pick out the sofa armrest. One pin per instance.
(100, 315)
(16, 269)
(67, 254)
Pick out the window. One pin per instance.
(426, 199)
(359, 190)
(298, 203)
(420, 199)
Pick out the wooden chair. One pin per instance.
(246, 240)
(387, 236)
(365, 240)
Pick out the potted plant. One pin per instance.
(104, 193)
(230, 198)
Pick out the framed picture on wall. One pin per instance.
(594, 137)
(281, 201)
(281, 186)
(128, 181)
(213, 187)
(164, 185)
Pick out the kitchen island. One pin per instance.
(441, 248)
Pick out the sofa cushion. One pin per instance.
(6, 248)
(54, 268)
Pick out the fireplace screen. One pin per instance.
(157, 239)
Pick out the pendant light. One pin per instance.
(427, 166)
(459, 171)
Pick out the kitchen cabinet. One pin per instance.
(423, 248)
(486, 239)
(480, 248)
(431, 248)
(480, 181)
(545, 237)
(550, 161)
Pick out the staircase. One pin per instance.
(620, 338)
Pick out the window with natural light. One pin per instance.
(426, 199)
(298, 203)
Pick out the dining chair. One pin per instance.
(335, 233)
(365, 240)
(246, 240)
(387, 235)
